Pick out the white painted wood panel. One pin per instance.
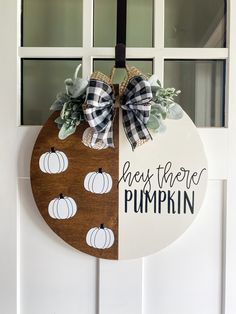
(26, 138)
(54, 277)
(216, 144)
(120, 287)
(168, 53)
(230, 256)
(186, 278)
(8, 253)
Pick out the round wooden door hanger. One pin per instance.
(117, 203)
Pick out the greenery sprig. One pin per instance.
(70, 103)
(163, 105)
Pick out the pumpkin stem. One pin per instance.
(102, 226)
(100, 170)
(61, 195)
(52, 149)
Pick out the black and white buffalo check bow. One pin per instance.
(135, 103)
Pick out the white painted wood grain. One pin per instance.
(230, 244)
(87, 23)
(167, 53)
(54, 277)
(8, 218)
(120, 287)
(26, 138)
(216, 145)
(159, 23)
(186, 278)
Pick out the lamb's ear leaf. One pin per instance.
(154, 89)
(59, 120)
(153, 122)
(162, 128)
(174, 111)
(153, 80)
(66, 130)
(59, 102)
(69, 82)
(79, 87)
(159, 107)
(57, 105)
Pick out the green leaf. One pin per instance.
(65, 131)
(69, 82)
(77, 87)
(80, 86)
(155, 84)
(174, 111)
(153, 80)
(64, 111)
(160, 108)
(162, 127)
(59, 102)
(57, 105)
(154, 89)
(59, 120)
(153, 122)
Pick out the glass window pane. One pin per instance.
(105, 66)
(202, 85)
(139, 23)
(191, 23)
(52, 23)
(42, 81)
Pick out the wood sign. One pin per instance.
(117, 203)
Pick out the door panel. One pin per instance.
(54, 278)
(120, 287)
(187, 277)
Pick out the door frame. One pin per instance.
(220, 142)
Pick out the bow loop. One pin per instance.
(138, 92)
(99, 111)
(136, 110)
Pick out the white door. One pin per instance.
(39, 273)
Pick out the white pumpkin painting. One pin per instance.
(54, 161)
(62, 207)
(100, 237)
(98, 182)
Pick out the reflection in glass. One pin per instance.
(139, 23)
(105, 66)
(202, 89)
(191, 23)
(52, 23)
(42, 81)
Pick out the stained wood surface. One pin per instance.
(93, 209)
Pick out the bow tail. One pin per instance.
(135, 130)
(105, 137)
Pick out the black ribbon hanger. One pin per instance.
(120, 54)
